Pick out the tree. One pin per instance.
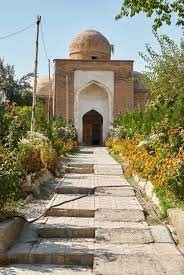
(15, 90)
(161, 9)
(164, 76)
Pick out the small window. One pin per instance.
(94, 57)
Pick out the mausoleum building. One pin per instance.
(91, 89)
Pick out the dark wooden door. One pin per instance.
(96, 134)
(92, 128)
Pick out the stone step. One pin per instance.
(86, 150)
(126, 235)
(79, 170)
(77, 206)
(107, 169)
(77, 227)
(119, 233)
(80, 165)
(75, 212)
(117, 191)
(27, 269)
(54, 251)
(64, 189)
(141, 259)
(66, 227)
(120, 215)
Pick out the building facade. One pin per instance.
(91, 89)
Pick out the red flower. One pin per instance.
(15, 114)
(170, 132)
(21, 125)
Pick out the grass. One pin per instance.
(11, 209)
(117, 157)
(167, 201)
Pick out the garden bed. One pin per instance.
(158, 173)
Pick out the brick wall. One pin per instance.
(123, 86)
(140, 99)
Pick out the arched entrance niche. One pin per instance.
(97, 98)
(92, 128)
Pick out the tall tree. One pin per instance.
(161, 10)
(15, 90)
(164, 76)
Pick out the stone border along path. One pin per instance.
(103, 233)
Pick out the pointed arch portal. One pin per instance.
(92, 128)
(93, 91)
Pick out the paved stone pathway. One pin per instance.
(103, 232)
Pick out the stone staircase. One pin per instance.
(103, 232)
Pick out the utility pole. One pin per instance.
(49, 99)
(54, 93)
(35, 75)
(67, 99)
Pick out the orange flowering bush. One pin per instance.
(161, 167)
(65, 147)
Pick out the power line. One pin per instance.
(49, 77)
(15, 33)
(43, 40)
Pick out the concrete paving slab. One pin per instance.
(111, 169)
(90, 181)
(91, 204)
(126, 215)
(120, 191)
(138, 264)
(161, 234)
(77, 227)
(45, 269)
(19, 253)
(67, 227)
(126, 235)
(158, 249)
(54, 251)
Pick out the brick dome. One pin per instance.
(90, 44)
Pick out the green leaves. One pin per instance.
(18, 91)
(165, 71)
(162, 10)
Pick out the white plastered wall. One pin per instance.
(93, 90)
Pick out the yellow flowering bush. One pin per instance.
(162, 167)
(48, 156)
(65, 147)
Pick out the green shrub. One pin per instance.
(59, 129)
(67, 132)
(29, 155)
(130, 123)
(48, 156)
(36, 152)
(11, 175)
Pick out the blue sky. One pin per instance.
(62, 20)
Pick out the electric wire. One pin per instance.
(91, 192)
(17, 32)
(44, 45)
(48, 60)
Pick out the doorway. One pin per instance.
(92, 128)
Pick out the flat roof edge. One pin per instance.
(82, 60)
